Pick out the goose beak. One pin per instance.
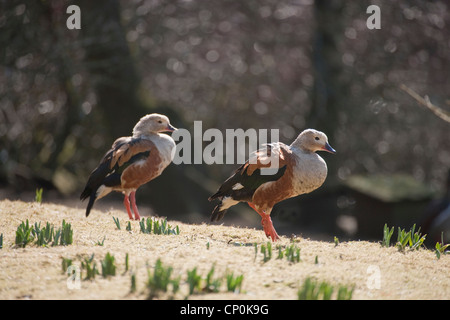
(170, 128)
(328, 148)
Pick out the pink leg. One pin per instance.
(267, 224)
(126, 203)
(133, 203)
(268, 228)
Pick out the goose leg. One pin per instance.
(126, 203)
(133, 203)
(267, 224)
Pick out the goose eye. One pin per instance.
(159, 121)
(317, 138)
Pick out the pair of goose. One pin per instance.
(135, 160)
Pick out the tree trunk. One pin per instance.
(329, 92)
(110, 64)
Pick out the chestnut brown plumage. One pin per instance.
(131, 162)
(297, 170)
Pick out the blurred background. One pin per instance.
(66, 95)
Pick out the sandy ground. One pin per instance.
(36, 273)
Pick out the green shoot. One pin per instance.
(108, 266)
(387, 234)
(308, 291)
(158, 227)
(336, 241)
(234, 284)
(38, 196)
(159, 280)
(197, 284)
(90, 266)
(412, 239)
(23, 234)
(267, 252)
(212, 285)
(126, 262)
(145, 228)
(101, 243)
(280, 253)
(43, 236)
(65, 264)
(292, 253)
(175, 285)
(128, 227)
(441, 247)
(66, 234)
(133, 283)
(117, 222)
(313, 290)
(345, 293)
(416, 240)
(194, 280)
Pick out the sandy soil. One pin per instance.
(36, 273)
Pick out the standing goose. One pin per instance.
(132, 162)
(299, 170)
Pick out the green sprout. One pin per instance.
(234, 284)
(412, 239)
(198, 284)
(267, 252)
(292, 253)
(441, 247)
(43, 236)
(126, 262)
(336, 241)
(66, 234)
(212, 285)
(194, 280)
(158, 227)
(117, 222)
(23, 234)
(101, 243)
(65, 264)
(159, 280)
(313, 290)
(133, 283)
(108, 266)
(387, 234)
(38, 196)
(90, 266)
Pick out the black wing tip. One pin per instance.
(84, 195)
(216, 195)
(218, 214)
(212, 198)
(92, 199)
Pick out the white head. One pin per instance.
(311, 140)
(152, 123)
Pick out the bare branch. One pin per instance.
(441, 113)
